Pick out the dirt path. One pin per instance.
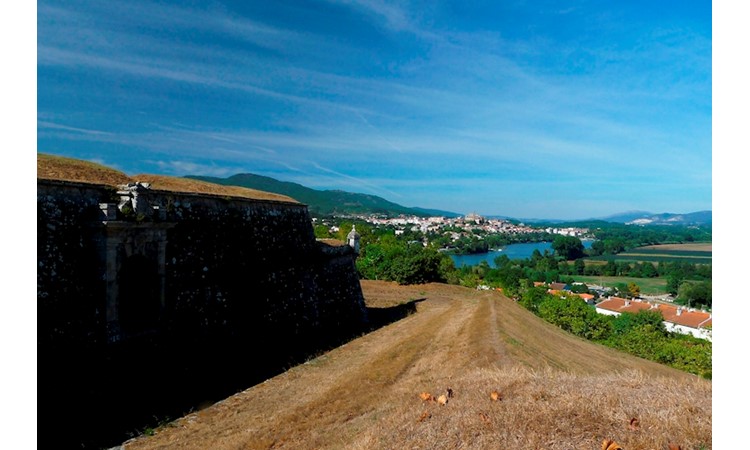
(365, 393)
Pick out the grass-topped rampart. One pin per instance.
(50, 167)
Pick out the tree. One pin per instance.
(634, 290)
(579, 266)
(573, 315)
(648, 270)
(610, 269)
(502, 261)
(532, 298)
(597, 248)
(674, 280)
(568, 247)
(651, 321)
(321, 231)
(695, 294)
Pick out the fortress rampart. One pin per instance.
(146, 296)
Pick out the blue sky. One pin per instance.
(526, 109)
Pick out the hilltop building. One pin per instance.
(474, 217)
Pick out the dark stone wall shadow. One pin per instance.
(380, 317)
(247, 294)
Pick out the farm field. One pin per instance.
(693, 253)
(649, 286)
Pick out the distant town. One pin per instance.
(471, 226)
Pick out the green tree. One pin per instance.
(597, 248)
(651, 321)
(532, 298)
(648, 270)
(610, 269)
(573, 315)
(579, 267)
(568, 247)
(695, 294)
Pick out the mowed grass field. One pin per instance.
(649, 286)
(555, 390)
(694, 253)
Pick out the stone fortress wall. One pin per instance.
(143, 295)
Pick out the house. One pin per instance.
(677, 319)
(588, 298)
(559, 287)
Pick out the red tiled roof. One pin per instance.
(618, 304)
(586, 296)
(693, 319)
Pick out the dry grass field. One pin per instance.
(693, 247)
(516, 383)
(51, 167)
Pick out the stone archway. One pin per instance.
(134, 255)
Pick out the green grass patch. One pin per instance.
(657, 255)
(656, 258)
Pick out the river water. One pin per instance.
(513, 251)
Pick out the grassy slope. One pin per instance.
(558, 391)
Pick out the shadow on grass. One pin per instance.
(100, 397)
(380, 317)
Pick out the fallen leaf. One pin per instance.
(425, 396)
(442, 399)
(450, 393)
(425, 415)
(484, 418)
(610, 445)
(634, 424)
(495, 396)
(674, 447)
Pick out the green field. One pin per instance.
(690, 253)
(649, 286)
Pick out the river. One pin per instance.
(513, 251)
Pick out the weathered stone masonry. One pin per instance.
(150, 307)
(197, 264)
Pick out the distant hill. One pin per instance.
(327, 202)
(647, 218)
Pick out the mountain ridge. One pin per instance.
(340, 202)
(648, 218)
(324, 202)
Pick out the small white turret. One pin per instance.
(353, 239)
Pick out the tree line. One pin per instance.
(407, 260)
(411, 258)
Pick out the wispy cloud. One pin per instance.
(180, 168)
(357, 181)
(57, 126)
(390, 14)
(411, 97)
